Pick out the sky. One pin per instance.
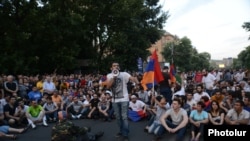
(213, 26)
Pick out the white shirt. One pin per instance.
(137, 106)
(120, 90)
(180, 92)
(208, 81)
(49, 86)
(197, 96)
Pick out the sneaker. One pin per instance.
(118, 135)
(33, 126)
(73, 116)
(45, 124)
(79, 116)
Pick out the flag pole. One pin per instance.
(154, 74)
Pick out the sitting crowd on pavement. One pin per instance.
(29, 101)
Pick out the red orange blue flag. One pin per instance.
(153, 73)
(172, 73)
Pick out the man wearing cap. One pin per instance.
(138, 109)
(66, 130)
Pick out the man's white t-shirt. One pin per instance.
(137, 106)
(197, 96)
(119, 89)
(209, 81)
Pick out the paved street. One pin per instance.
(110, 128)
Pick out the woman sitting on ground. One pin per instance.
(216, 115)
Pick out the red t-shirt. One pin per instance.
(198, 77)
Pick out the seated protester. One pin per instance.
(143, 96)
(74, 108)
(81, 98)
(51, 109)
(66, 130)
(190, 101)
(109, 99)
(35, 94)
(206, 101)
(9, 112)
(184, 104)
(228, 102)
(48, 86)
(216, 115)
(36, 114)
(198, 118)
(237, 115)
(44, 99)
(20, 112)
(174, 120)
(103, 107)
(67, 102)
(179, 90)
(56, 98)
(86, 106)
(247, 103)
(217, 96)
(5, 130)
(199, 93)
(94, 112)
(2, 121)
(137, 109)
(152, 94)
(160, 108)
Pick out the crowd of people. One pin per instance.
(193, 100)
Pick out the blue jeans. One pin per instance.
(180, 133)
(51, 115)
(4, 129)
(121, 114)
(111, 113)
(85, 111)
(167, 93)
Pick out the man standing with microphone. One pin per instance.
(117, 81)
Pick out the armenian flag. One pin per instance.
(153, 73)
(172, 73)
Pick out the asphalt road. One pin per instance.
(110, 129)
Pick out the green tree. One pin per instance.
(244, 57)
(47, 35)
(16, 51)
(185, 56)
(246, 26)
(123, 30)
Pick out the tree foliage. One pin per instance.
(185, 56)
(47, 35)
(246, 26)
(244, 57)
